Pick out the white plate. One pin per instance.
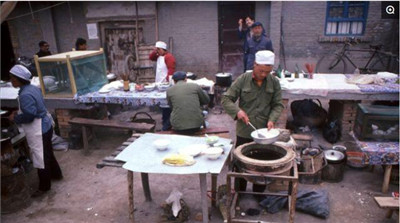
(193, 150)
(104, 91)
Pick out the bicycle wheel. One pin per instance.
(331, 63)
(386, 63)
(130, 68)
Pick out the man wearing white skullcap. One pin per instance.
(32, 117)
(164, 70)
(260, 102)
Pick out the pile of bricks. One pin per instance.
(349, 115)
(281, 123)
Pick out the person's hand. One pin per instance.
(270, 125)
(240, 22)
(12, 115)
(241, 115)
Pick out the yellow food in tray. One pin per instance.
(178, 160)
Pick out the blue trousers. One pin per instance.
(166, 123)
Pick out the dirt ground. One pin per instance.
(88, 194)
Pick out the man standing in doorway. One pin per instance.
(256, 43)
(164, 70)
(43, 49)
(260, 102)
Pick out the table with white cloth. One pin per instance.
(141, 156)
(136, 98)
(334, 87)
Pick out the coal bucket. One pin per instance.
(334, 171)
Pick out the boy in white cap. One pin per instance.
(32, 117)
(260, 101)
(164, 70)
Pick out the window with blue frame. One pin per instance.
(346, 18)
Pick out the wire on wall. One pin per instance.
(31, 13)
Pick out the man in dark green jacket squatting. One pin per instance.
(260, 102)
(185, 100)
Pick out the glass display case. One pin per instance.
(70, 73)
(377, 122)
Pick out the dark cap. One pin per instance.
(179, 75)
(256, 24)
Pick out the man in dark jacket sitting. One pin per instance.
(185, 100)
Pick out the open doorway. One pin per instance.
(230, 46)
(7, 52)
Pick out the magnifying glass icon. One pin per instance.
(390, 10)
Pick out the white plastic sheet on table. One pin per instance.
(320, 85)
(142, 156)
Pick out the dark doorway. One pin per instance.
(230, 46)
(7, 53)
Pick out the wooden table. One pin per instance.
(379, 153)
(140, 156)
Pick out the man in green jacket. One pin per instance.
(185, 100)
(260, 101)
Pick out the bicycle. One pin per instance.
(130, 63)
(378, 61)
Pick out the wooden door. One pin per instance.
(230, 46)
(118, 40)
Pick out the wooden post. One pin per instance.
(85, 140)
(146, 186)
(293, 197)
(39, 74)
(71, 76)
(386, 178)
(213, 189)
(203, 190)
(229, 197)
(130, 196)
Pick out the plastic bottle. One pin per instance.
(357, 71)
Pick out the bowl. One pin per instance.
(161, 144)
(3, 84)
(290, 79)
(149, 87)
(163, 87)
(213, 153)
(210, 140)
(270, 136)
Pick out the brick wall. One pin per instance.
(194, 29)
(303, 27)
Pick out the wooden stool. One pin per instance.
(388, 203)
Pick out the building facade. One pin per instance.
(201, 35)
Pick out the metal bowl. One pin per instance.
(270, 136)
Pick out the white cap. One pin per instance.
(21, 72)
(265, 57)
(161, 44)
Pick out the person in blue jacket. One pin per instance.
(33, 118)
(246, 35)
(256, 43)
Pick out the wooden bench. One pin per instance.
(87, 124)
(388, 203)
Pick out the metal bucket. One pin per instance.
(334, 171)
